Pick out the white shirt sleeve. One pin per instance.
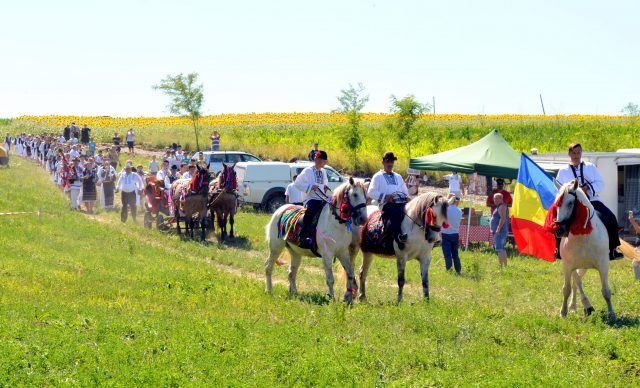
(375, 191)
(303, 181)
(595, 178)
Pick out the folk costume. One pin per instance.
(315, 200)
(383, 184)
(107, 181)
(75, 186)
(89, 180)
(588, 175)
(129, 183)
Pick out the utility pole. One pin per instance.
(542, 103)
(434, 104)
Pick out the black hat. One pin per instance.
(389, 157)
(321, 155)
(499, 181)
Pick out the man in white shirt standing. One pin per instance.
(129, 183)
(390, 191)
(455, 183)
(312, 181)
(592, 184)
(292, 195)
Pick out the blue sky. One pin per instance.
(101, 57)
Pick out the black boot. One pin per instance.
(615, 255)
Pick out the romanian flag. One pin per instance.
(534, 194)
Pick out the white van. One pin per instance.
(263, 184)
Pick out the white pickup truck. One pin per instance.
(262, 184)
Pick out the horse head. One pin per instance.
(349, 202)
(200, 182)
(227, 180)
(573, 210)
(435, 218)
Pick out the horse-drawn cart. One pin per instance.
(156, 205)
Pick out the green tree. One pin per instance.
(407, 112)
(352, 100)
(186, 97)
(631, 109)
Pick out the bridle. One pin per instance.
(342, 209)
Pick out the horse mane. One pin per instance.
(339, 192)
(417, 207)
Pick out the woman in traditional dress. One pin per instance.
(107, 182)
(89, 185)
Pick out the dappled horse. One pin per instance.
(425, 215)
(584, 244)
(223, 200)
(347, 207)
(190, 197)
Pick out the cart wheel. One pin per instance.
(148, 220)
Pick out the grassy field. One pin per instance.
(85, 300)
(283, 136)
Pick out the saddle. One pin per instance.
(373, 237)
(290, 227)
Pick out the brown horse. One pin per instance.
(190, 196)
(223, 199)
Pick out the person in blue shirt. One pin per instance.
(92, 147)
(451, 235)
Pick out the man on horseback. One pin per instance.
(592, 184)
(313, 181)
(390, 190)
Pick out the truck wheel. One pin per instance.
(274, 202)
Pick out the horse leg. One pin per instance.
(367, 259)
(177, 216)
(606, 291)
(352, 286)
(231, 223)
(401, 262)
(586, 303)
(203, 228)
(296, 259)
(424, 272)
(224, 225)
(276, 246)
(328, 270)
(566, 289)
(574, 291)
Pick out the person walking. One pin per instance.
(500, 228)
(116, 141)
(75, 183)
(130, 138)
(129, 183)
(451, 235)
(89, 179)
(215, 141)
(107, 181)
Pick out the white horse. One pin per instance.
(425, 215)
(584, 244)
(333, 236)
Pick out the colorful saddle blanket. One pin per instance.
(290, 226)
(373, 238)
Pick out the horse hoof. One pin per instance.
(612, 317)
(348, 298)
(589, 310)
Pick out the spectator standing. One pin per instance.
(215, 141)
(84, 135)
(506, 197)
(292, 195)
(129, 182)
(455, 184)
(92, 147)
(114, 157)
(312, 153)
(75, 183)
(451, 235)
(130, 137)
(116, 141)
(500, 228)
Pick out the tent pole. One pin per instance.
(471, 193)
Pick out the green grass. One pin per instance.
(85, 300)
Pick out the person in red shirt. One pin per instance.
(506, 197)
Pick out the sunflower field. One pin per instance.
(284, 136)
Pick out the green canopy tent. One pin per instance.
(489, 156)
